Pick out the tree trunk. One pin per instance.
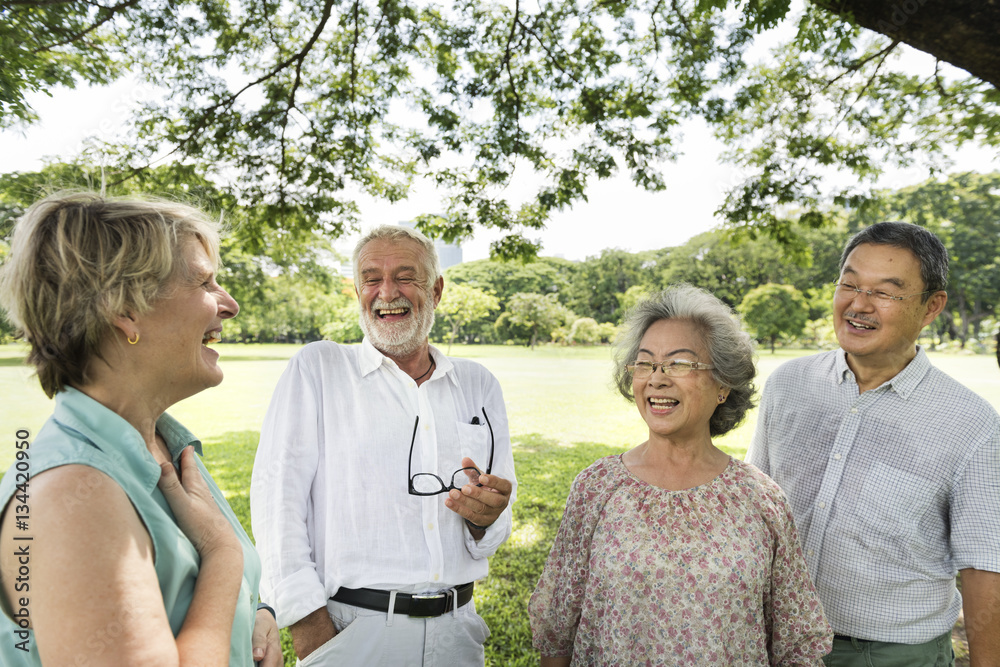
(960, 32)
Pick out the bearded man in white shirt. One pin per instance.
(383, 480)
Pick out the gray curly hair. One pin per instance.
(731, 350)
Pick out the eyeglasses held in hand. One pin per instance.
(676, 368)
(429, 484)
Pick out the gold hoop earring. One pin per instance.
(133, 342)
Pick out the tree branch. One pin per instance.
(510, 74)
(938, 85)
(684, 21)
(40, 3)
(858, 64)
(555, 61)
(655, 28)
(354, 50)
(231, 99)
(112, 11)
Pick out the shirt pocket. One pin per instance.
(890, 507)
(474, 442)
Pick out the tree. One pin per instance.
(295, 106)
(773, 310)
(286, 295)
(504, 279)
(545, 275)
(45, 44)
(462, 304)
(587, 331)
(631, 297)
(344, 326)
(953, 31)
(7, 329)
(599, 281)
(536, 314)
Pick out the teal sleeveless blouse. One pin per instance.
(82, 431)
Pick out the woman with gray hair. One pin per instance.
(675, 553)
(116, 546)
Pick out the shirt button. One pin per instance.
(854, 411)
(822, 505)
(810, 552)
(430, 526)
(427, 427)
(836, 456)
(436, 577)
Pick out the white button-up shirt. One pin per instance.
(329, 496)
(893, 490)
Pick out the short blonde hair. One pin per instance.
(79, 260)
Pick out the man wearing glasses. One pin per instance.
(892, 468)
(383, 480)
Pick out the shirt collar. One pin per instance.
(904, 382)
(109, 432)
(372, 360)
(907, 380)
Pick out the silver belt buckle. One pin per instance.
(432, 596)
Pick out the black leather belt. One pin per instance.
(421, 606)
(845, 638)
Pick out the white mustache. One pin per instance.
(401, 302)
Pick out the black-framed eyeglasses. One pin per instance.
(880, 297)
(429, 484)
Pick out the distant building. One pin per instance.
(449, 254)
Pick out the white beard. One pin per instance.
(397, 339)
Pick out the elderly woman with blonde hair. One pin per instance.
(675, 553)
(116, 546)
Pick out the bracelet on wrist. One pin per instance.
(269, 608)
(473, 526)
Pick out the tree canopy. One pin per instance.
(771, 311)
(303, 297)
(295, 107)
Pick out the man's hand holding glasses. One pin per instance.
(477, 497)
(481, 501)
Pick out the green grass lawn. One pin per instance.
(563, 414)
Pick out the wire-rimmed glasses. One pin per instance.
(429, 484)
(673, 367)
(879, 297)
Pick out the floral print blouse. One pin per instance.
(712, 575)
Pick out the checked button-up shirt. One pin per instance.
(893, 490)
